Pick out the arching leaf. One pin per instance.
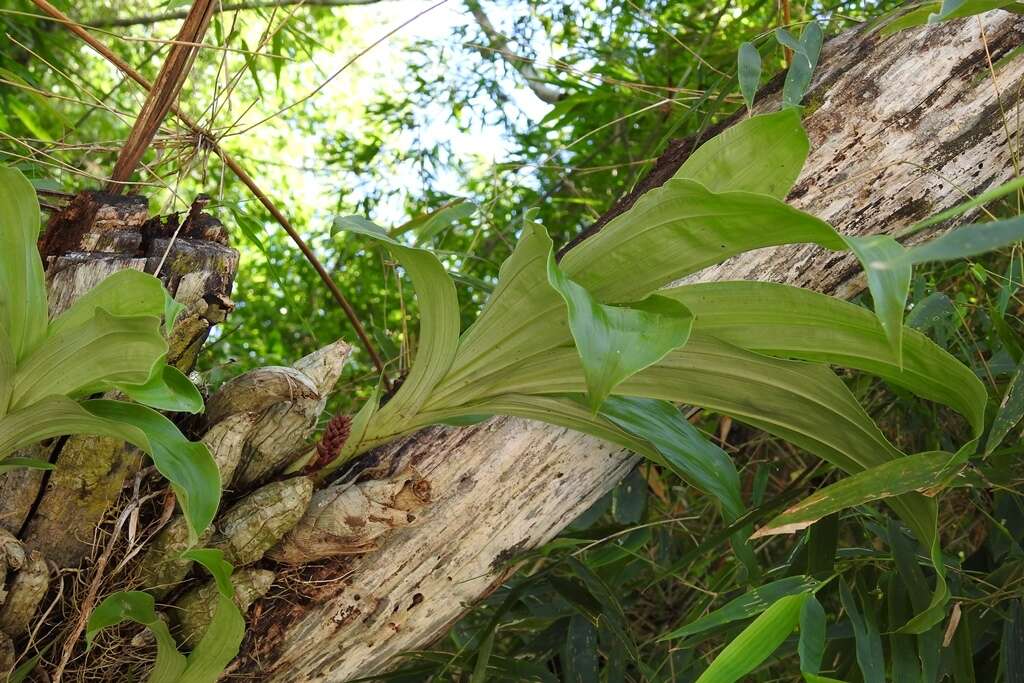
(22, 292)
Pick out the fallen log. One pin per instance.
(900, 127)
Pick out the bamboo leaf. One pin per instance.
(910, 473)
(749, 604)
(1011, 409)
(140, 608)
(756, 642)
(748, 71)
(888, 281)
(967, 240)
(579, 652)
(868, 641)
(23, 313)
(812, 636)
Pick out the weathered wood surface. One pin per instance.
(900, 128)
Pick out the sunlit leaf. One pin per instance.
(187, 465)
(762, 154)
(8, 464)
(83, 359)
(756, 642)
(22, 293)
(168, 389)
(615, 342)
(439, 318)
(791, 322)
(681, 228)
(124, 293)
(8, 367)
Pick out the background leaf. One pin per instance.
(756, 642)
(748, 71)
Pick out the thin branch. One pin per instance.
(536, 82)
(100, 22)
(209, 140)
(173, 73)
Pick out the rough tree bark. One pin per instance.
(900, 128)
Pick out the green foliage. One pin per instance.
(212, 653)
(629, 83)
(109, 340)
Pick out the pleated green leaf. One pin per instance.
(756, 642)
(23, 314)
(168, 389)
(749, 604)
(8, 366)
(223, 637)
(439, 318)
(615, 342)
(124, 293)
(791, 322)
(83, 359)
(8, 464)
(681, 228)
(523, 318)
(140, 608)
(763, 154)
(188, 466)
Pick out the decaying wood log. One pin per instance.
(900, 127)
